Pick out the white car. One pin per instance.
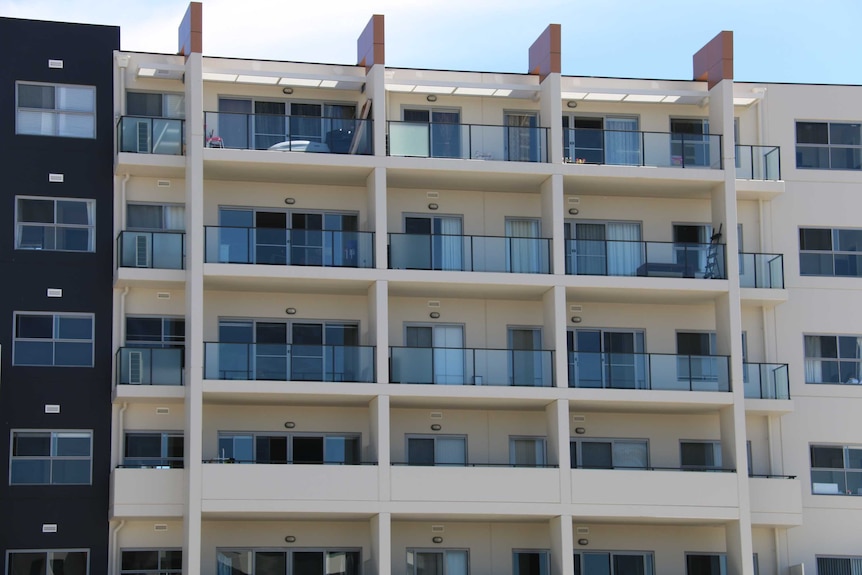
(300, 146)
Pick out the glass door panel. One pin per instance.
(622, 142)
(307, 352)
(524, 344)
(307, 563)
(306, 245)
(233, 126)
(522, 137)
(235, 361)
(269, 124)
(271, 351)
(271, 238)
(445, 134)
(523, 253)
(588, 255)
(234, 244)
(448, 358)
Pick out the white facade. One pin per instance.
(596, 332)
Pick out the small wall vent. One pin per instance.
(432, 195)
(163, 295)
(436, 415)
(52, 408)
(56, 178)
(579, 418)
(163, 410)
(55, 64)
(437, 529)
(434, 304)
(573, 201)
(163, 183)
(582, 530)
(576, 308)
(55, 292)
(49, 528)
(160, 527)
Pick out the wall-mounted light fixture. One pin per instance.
(577, 319)
(438, 540)
(290, 311)
(290, 539)
(433, 206)
(436, 427)
(574, 211)
(571, 104)
(289, 424)
(431, 98)
(434, 315)
(580, 430)
(287, 90)
(289, 201)
(583, 541)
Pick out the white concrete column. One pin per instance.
(554, 311)
(552, 114)
(376, 187)
(194, 314)
(381, 544)
(562, 546)
(553, 221)
(375, 90)
(378, 316)
(380, 443)
(558, 445)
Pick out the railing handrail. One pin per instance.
(757, 146)
(418, 123)
(470, 348)
(291, 116)
(761, 254)
(707, 244)
(646, 354)
(232, 460)
(287, 344)
(697, 468)
(766, 363)
(207, 226)
(771, 476)
(142, 117)
(511, 465)
(467, 236)
(123, 232)
(683, 134)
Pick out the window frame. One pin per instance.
(850, 558)
(164, 341)
(55, 111)
(288, 551)
(647, 555)
(54, 339)
(289, 437)
(845, 447)
(544, 553)
(163, 461)
(411, 569)
(828, 146)
(47, 552)
(91, 227)
(164, 99)
(163, 206)
(51, 457)
(578, 441)
(831, 252)
(539, 440)
(435, 437)
(159, 570)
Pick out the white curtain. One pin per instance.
(813, 366)
(175, 218)
(630, 454)
(625, 252)
(448, 355)
(622, 142)
(456, 563)
(590, 249)
(450, 451)
(451, 244)
(523, 254)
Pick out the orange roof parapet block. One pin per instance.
(190, 32)
(714, 62)
(370, 47)
(545, 54)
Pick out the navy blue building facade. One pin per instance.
(56, 252)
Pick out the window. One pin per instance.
(437, 450)
(839, 566)
(700, 454)
(694, 363)
(151, 562)
(155, 331)
(51, 458)
(833, 359)
(609, 453)
(829, 145)
(614, 563)
(49, 562)
(155, 105)
(284, 561)
(689, 142)
(444, 136)
(601, 140)
(154, 449)
(60, 340)
(155, 217)
(56, 110)
(836, 469)
(323, 448)
(55, 224)
(830, 252)
(531, 562)
(438, 562)
(706, 564)
(527, 451)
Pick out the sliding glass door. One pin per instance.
(604, 248)
(444, 130)
(447, 352)
(522, 137)
(524, 253)
(443, 249)
(606, 358)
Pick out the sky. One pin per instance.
(804, 41)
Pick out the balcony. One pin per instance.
(775, 501)
(154, 250)
(469, 253)
(463, 366)
(468, 141)
(766, 380)
(313, 134)
(141, 135)
(288, 362)
(761, 271)
(150, 366)
(639, 494)
(633, 148)
(147, 492)
(477, 484)
(272, 246)
(262, 487)
(655, 371)
(758, 163)
(650, 259)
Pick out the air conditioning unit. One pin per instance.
(142, 251)
(136, 367)
(143, 137)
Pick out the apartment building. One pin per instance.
(374, 320)
(56, 257)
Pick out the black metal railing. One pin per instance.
(470, 253)
(653, 371)
(468, 141)
(145, 135)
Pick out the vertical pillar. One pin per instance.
(371, 53)
(553, 217)
(554, 311)
(562, 545)
(378, 315)
(380, 442)
(376, 189)
(558, 445)
(381, 544)
(190, 44)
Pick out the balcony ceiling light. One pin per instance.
(400, 87)
(573, 95)
(435, 89)
(146, 71)
(502, 92)
(743, 101)
(603, 97)
(463, 91)
(216, 77)
(670, 99)
(644, 98)
(328, 83)
(248, 79)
